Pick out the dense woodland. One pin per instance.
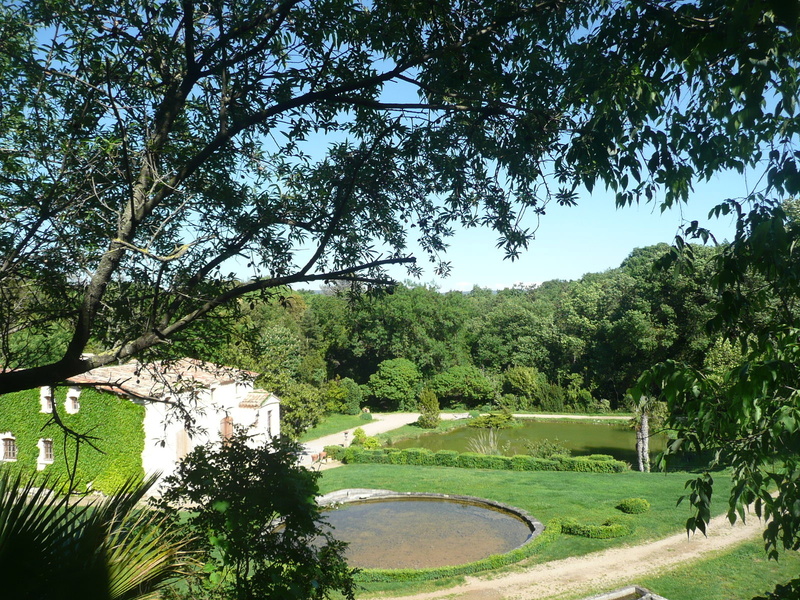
(559, 346)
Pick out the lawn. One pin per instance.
(588, 497)
(739, 574)
(331, 424)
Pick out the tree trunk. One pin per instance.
(643, 443)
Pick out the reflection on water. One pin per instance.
(423, 532)
(580, 437)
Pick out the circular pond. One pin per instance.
(396, 531)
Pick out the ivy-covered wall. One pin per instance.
(115, 424)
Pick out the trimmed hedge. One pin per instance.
(115, 427)
(633, 506)
(473, 460)
(610, 528)
(550, 533)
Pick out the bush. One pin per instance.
(365, 416)
(546, 448)
(429, 409)
(492, 421)
(446, 458)
(353, 396)
(633, 506)
(471, 460)
(360, 438)
(611, 528)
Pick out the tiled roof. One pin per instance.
(254, 399)
(158, 379)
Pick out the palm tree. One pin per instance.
(646, 411)
(52, 547)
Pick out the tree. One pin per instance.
(395, 384)
(463, 385)
(429, 417)
(745, 409)
(148, 146)
(647, 411)
(257, 522)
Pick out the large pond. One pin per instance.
(590, 437)
(416, 533)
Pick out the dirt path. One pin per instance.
(600, 571)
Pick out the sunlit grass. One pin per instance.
(331, 424)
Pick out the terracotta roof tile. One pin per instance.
(158, 379)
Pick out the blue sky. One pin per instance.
(571, 241)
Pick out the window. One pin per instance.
(73, 405)
(9, 447)
(226, 428)
(46, 399)
(45, 453)
(48, 449)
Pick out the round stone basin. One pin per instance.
(387, 530)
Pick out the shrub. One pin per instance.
(365, 416)
(610, 528)
(446, 458)
(359, 435)
(586, 465)
(600, 457)
(334, 452)
(429, 409)
(633, 506)
(419, 456)
(546, 448)
(360, 438)
(473, 460)
(492, 421)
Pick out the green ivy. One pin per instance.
(115, 426)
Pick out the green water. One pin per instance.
(581, 437)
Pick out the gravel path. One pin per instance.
(599, 571)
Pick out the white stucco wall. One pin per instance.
(166, 440)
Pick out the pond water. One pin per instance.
(581, 437)
(416, 533)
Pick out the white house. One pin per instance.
(212, 400)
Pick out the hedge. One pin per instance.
(472, 460)
(115, 427)
(611, 528)
(550, 533)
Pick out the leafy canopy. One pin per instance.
(153, 152)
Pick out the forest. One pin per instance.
(574, 346)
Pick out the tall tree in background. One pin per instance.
(146, 147)
(744, 406)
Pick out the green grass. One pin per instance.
(588, 497)
(332, 424)
(739, 574)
